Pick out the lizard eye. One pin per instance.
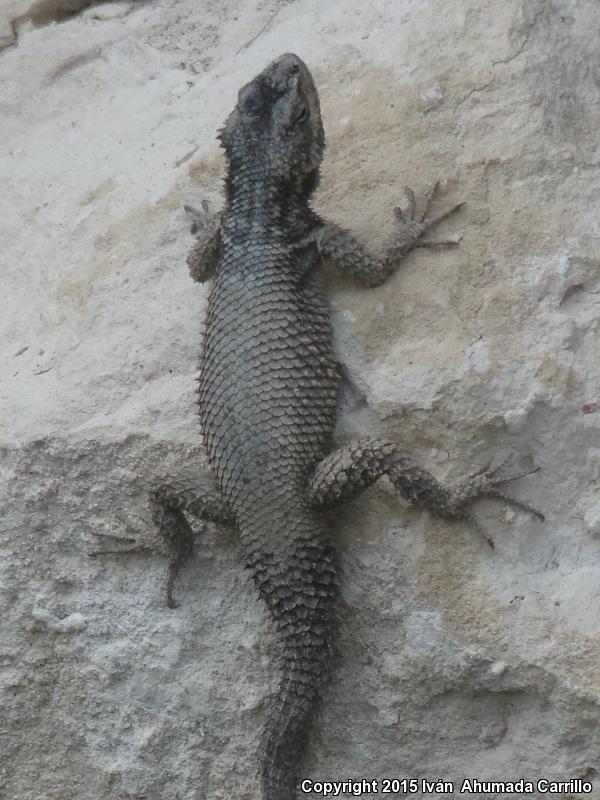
(302, 114)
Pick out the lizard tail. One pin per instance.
(300, 591)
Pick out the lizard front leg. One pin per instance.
(346, 472)
(204, 255)
(340, 248)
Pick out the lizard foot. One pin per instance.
(200, 218)
(204, 254)
(486, 483)
(132, 540)
(413, 225)
(177, 539)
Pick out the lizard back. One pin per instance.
(268, 382)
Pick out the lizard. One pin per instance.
(268, 391)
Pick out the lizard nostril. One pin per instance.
(294, 66)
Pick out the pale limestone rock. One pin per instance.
(7, 34)
(454, 659)
(73, 623)
(109, 11)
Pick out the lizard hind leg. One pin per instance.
(178, 538)
(168, 504)
(346, 472)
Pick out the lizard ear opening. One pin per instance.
(302, 114)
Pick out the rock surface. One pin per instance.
(455, 659)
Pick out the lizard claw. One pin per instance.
(513, 501)
(514, 477)
(489, 469)
(428, 199)
(429, 222)
(132, 547)
(410, 196)
(399, 214)
(486, 483)
(453, 242)
(474, 523)
(132, 542)
(200, 218)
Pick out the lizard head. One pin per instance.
(276, 124)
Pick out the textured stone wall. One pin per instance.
(455, 659)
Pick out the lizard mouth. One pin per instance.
(288, 72)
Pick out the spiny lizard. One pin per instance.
(267, 390)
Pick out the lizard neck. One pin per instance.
(258, 200)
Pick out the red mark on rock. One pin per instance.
(590, 408)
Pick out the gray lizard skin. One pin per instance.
(267, 391)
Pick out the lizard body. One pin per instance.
(267, 390)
